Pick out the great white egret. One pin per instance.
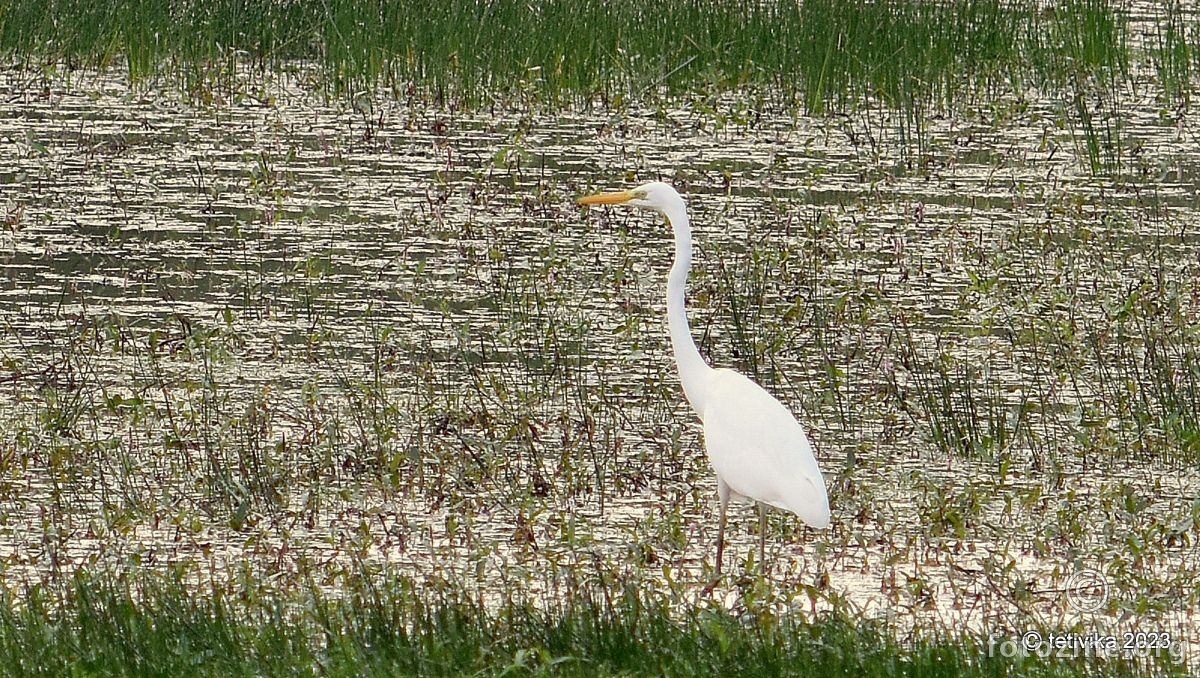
(756, 447)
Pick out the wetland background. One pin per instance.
(308, 358)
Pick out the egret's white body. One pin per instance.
(758, 450)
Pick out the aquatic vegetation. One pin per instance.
(828, 54)
(329, 326)
(395, 627)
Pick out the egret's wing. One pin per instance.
(759, 449)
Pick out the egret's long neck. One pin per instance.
(692, 368)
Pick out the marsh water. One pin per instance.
(285, 339)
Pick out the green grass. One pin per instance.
(149, 626)
(820, 56)
(964, 407)
(1175, 55)
(827, 54)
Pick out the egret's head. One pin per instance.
(655, 196)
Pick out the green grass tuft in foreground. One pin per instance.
(109, 626)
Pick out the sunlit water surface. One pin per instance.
(293, 340)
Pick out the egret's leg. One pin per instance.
(723, 493)
(762, 538)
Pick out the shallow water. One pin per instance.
(281, 338)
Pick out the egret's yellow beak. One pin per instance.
(607, 198)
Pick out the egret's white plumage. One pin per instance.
(756, 447)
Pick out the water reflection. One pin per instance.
(268, 337)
